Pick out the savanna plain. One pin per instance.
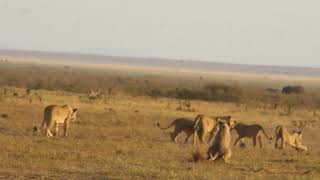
(116, 134)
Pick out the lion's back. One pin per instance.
(56, 112)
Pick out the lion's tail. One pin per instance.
(270, 138)
(36, 130)
(173, 122)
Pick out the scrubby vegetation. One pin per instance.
(110, 82)
(116, 136)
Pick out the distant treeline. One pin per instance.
(113, 82)
(210, 92)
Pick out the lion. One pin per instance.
(253, 131)
(294, 139)
(205, 124)
(221, 147)
(181, 125)
(55, 115)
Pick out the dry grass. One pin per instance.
(126, 144)
(117, 138)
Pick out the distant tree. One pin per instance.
(292, 90)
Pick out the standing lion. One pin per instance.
(55, 115)
(253, 131)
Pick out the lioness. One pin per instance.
(181, 125)
(294, 139)
(206, 124)
(55, 115)
(253, 131)
(221, 144)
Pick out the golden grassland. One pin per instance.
(117, 138)
(125, 144)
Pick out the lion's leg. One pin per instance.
(259, 139)
(177, 137)
(50, 123)
(187, 138)
(203, 138)
(276, 143)
(226, 156)
(66, 127)
(49, 133)
(212, 134)
(212, 158)
(303, 148)
(174, 135)
(235, 143)
(56, 129)
(49, 126)
(254, 141)
(195, 135)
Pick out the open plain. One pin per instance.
(116, 136)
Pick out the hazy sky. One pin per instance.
(280, 32)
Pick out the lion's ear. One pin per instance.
(75, 110)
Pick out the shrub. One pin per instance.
(292, 90)
(224, 93)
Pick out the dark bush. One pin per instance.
(191, 94)
(224, 93)
(155, 92)
(292, 89)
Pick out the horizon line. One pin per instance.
(72, 53)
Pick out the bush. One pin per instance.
(191, 94)
(155, 92)
(224, 93)
(82, 80)
(292, 90)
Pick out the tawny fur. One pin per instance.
(55, 115)
(221, 147)
(206, 125)
(293, 139)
